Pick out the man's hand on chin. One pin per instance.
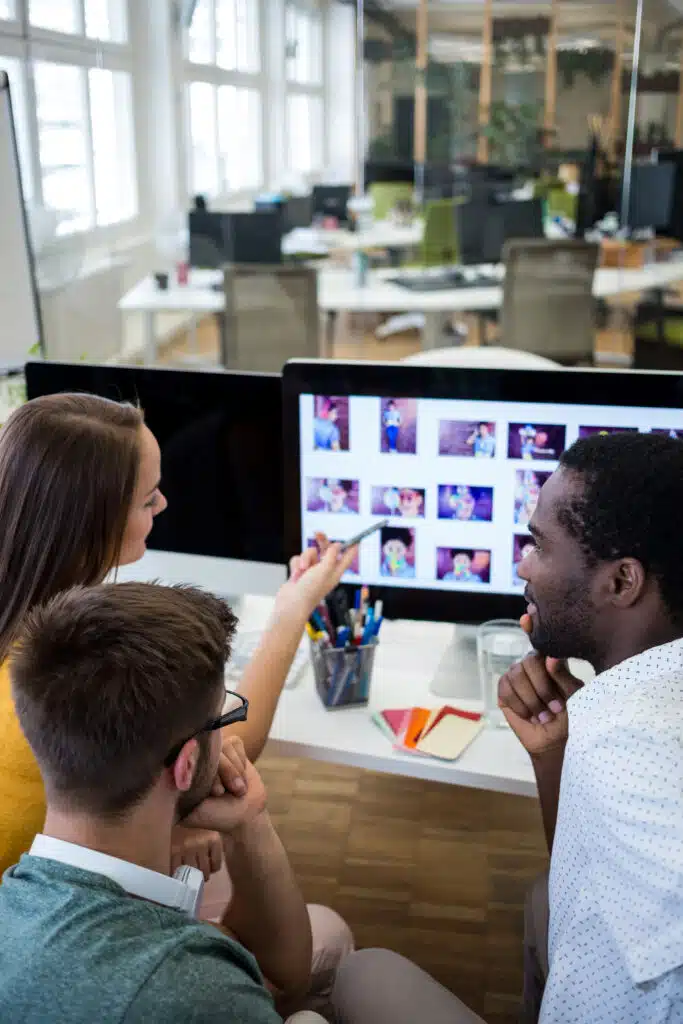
(227, 811)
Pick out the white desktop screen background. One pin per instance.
(427, 469)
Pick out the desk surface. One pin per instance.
(337, 291)
(406, 663)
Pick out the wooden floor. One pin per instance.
(434, 872)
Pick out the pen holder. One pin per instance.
(342, 675)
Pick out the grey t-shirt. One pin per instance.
(76, 948)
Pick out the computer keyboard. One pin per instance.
(243, 650)
(446, 281)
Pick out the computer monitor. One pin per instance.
(221, 455)
(652, 196)
(508, 221)
(331, 201)
(219, 238)
(297, 212)
(207, 239)
(454, 458)
(470, 219)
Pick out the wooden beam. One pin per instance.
(485, 82)
(551, 78)
(421, 62)
(617, 73)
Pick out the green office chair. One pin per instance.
(561, 203)
(386, 194)
(440, 243)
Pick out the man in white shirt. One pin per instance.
(604, 583)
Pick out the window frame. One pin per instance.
(217, 76)
(314, 89)
(28, 43)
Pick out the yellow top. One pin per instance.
(22, 796)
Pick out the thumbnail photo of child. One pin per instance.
(535, 441)
(354, 568)
(406, 502)
(605, 431)
(465, 503)
(398, 552)
(330, 423)
(398, 426)
(328, 495)
(463, 565)
(523, 546)
(467, 439)
(528, 483)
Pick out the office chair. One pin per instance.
(548, 303)
(386, 195)
(271, 315)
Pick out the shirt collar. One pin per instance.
(630, 675)
(178, 894)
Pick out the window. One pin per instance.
(8, 9)
(225, 133)
(96, 19)
(61, 109)
(85, 137)
(304, 67)
(204, 139)
(304, 45)
(225, 33)
(304, 132)
(224, 98)
(239, 137)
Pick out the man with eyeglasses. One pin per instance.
(120, 692)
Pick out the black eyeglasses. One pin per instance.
(234, 710)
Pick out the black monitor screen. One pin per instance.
(207, 240)
(331, 200)
(221, 455)
(652, 194)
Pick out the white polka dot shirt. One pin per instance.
(616, 877)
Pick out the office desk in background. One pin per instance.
(338, 292)
(407, 661)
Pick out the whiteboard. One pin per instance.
(20, 326)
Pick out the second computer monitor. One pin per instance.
(331, 201)
(652, 196)
(219, 238)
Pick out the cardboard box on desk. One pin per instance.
(616, 254)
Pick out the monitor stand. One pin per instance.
(457, 676)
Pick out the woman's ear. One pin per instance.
(185, 765)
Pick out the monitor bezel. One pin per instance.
(646, 389)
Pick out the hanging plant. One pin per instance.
(596, 64)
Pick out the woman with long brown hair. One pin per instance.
(79, 490)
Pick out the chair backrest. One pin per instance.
(548, 304)
(562, 203)
(386, 194)
(271, 315)
(440, 239)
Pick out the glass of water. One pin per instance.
(500, 644)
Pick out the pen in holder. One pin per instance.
(342, 674)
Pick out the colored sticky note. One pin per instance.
(450, 737)
(439, 713)
(413, 730)
(395, 719)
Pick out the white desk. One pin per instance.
(337, 292)
(406, 662)
(382, 234)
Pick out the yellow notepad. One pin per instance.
(451, 735)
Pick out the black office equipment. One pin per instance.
(652, 196)
(221, 451)
(509, 221)
(297, 212)
(470, 219)
(331, 201)
(674, 229)
(446, 280)
(219, 238)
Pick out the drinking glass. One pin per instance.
(501, 643)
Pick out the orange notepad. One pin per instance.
(410, 735)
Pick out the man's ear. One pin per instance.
(627, 582)
(185, 766)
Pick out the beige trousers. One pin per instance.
(332, 942)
